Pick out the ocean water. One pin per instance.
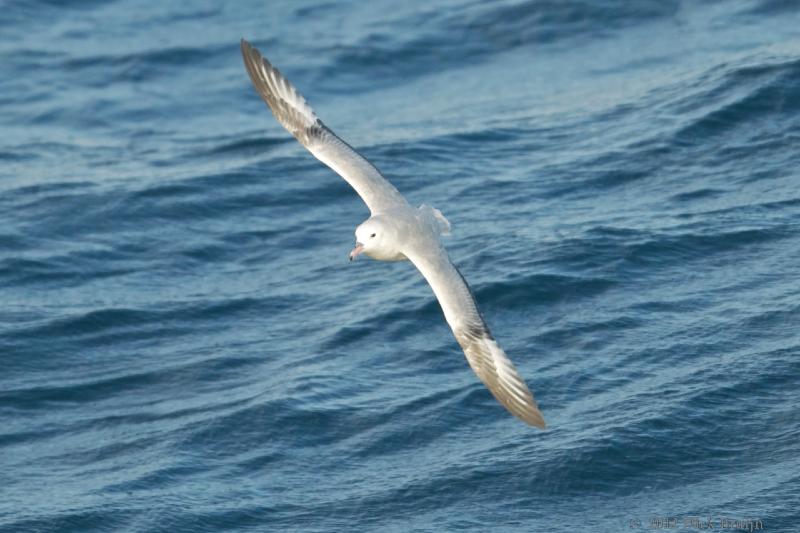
(184, 346)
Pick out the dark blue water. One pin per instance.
(184, 346)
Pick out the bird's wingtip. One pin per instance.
(535, 419)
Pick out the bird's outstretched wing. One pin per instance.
(484, 355)
(294, 114)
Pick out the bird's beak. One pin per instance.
(356, 251)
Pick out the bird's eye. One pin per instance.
(371, 236)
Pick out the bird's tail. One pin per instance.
(437, 218)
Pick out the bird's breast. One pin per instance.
(382, 255)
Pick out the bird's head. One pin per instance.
(374, 237)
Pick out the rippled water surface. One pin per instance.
(185, 347)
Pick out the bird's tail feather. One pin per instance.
(436, 216)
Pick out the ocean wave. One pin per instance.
(750, 97)
(474, 32)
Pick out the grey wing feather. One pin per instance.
(484, 355)
(294, 114)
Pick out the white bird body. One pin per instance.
(397, 231)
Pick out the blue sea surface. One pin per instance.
(185, 348)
